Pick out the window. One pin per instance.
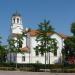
(17, 20)
(23, 58)
(14, 20)
(55, 53)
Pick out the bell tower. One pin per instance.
(16, 23)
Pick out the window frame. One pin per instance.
(23, 58)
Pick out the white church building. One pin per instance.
(29, 44)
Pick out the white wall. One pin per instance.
(19, 58)
(40, 59)
(24, 42)
(60, 46)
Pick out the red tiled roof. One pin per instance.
(35, 32)
(24, 49)
(62, 35)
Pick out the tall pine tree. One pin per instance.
(46, 43)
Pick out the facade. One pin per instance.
(29, 43)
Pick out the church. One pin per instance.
(29, 43)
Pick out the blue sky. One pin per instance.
(61, 14)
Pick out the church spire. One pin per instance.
(17, 14)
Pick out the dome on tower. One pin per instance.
(16, 14)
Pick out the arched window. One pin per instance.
(17, 20)
(14, 20)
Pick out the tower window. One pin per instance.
(17, 20)
(14, 20)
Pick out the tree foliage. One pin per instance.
(3, 51)
(73, 28)
(16, 44)
(45, 42)
(69, 47)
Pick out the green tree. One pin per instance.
(73, 28)
(46, 44)
(16, 44)
(69, 47)
(3, 52)
(11, 43)
(0, 40)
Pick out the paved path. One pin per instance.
(32, 73)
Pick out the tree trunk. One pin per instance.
(45, 61)
(16, 61)
(29, 57)
(49, 58)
